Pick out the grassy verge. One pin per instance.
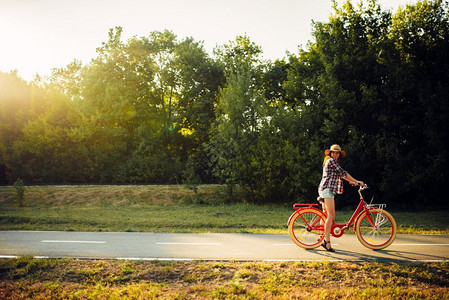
(164, 209)
(28, 278)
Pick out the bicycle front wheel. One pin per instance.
(376, 229)
(306, 228)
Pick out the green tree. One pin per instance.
(414, 140)
(121, 112)
(272, 83)
(14, 101)
(47, 149)
(199, 79)
(368, 82)
(20, 103)
(241, 113)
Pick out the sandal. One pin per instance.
(324, 244)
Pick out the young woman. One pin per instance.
(331, 185)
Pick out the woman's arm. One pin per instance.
(352, 181)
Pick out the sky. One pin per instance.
(39, 35)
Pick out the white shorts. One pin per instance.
(326, 193)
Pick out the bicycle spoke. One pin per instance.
(381, 220)
(309, 220)
(376, 229)
(306, 228)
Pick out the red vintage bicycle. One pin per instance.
(375, 227)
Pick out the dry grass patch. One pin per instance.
(26, 278)
(116, 195)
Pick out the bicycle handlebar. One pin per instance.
(362, 187)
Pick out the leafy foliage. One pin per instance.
(156, 109)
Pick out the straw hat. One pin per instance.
(335, 148)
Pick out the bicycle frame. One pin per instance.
(338, 230)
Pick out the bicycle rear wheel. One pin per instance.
(379, 236)
(306, 228)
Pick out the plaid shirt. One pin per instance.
(332, 174)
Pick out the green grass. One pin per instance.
(29, 278)
(155, 218)
(164, 209)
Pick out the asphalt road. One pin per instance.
(211, 246)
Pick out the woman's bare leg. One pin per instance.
(330, 207)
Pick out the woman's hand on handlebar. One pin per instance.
(358, 183)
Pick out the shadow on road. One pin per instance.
(378, 255)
